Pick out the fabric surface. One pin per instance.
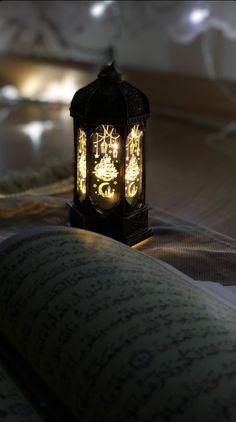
(114, 333)
(197, 251)
(190, 176)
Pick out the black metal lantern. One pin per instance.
(109, 137)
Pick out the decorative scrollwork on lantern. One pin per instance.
(132, 169)
(81, 163)
(106, 166)
(133, 166)
(104, 189)
(105, 169)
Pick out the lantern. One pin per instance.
(109, 140)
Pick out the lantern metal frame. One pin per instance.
(110, 101)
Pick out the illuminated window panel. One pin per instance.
(106, 146)
(133, 165)
(81, 165)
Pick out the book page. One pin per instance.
(114, 333)
(14, 405)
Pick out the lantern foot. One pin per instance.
(129, 229)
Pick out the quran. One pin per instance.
(94, 331)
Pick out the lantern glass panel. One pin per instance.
(133, 165)
(81, 164)
(105, 167)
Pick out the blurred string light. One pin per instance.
(35, 129)
(9, 92)
(99, 8)
(197, 16)
(34, 88)
(53, 29)
(60, 91)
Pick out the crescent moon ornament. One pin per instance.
(82, 186)
(132, 189)
(105, 193)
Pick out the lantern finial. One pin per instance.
(109, 73)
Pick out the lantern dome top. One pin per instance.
(109, 99)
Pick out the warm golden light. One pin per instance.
(54, 91)
(105, 169)
(132, 169)
(81, 164)
(104, 189)
(143, 243)
(115, 150)
(133, 165)
(106, 162)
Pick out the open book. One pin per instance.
(94, 331)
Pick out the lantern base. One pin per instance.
(129, 229)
